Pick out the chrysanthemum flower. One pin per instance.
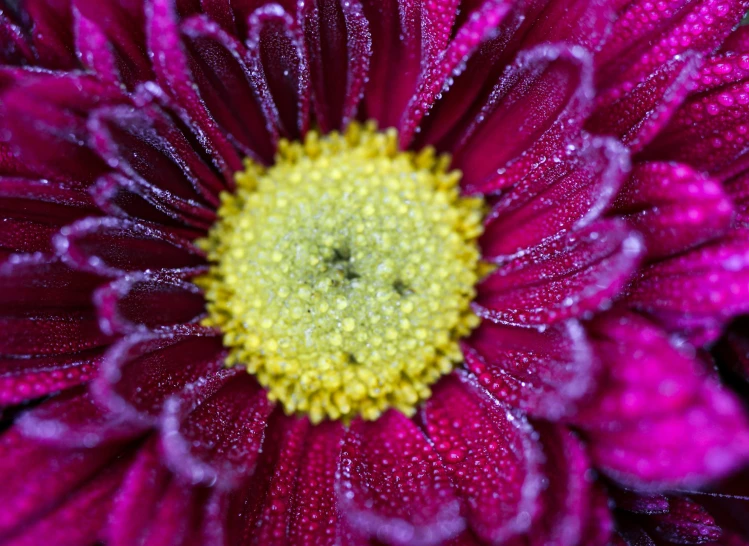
(362, 272)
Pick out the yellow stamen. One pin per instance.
(342, 276)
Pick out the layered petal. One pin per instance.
(569, 275)
(490, 454)
(393, 485)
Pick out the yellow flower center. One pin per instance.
(342, 275)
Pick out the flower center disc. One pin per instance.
(342, 276)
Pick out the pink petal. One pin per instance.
(686, 523)
(543, 372)
(572, 274)
(80, 518)
(216, 440)
(644, 373)
(673, 207)
(94, 50)
(490, 455)
(706, 440)
(339, 47)
(697, 292)
(394, 486)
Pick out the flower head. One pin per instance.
(402, 271)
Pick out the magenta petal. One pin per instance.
(490, 454)
(94, 50)
(564, 504)
(233, 93)
(52, 36)
(147, 301)
(144, 369)
(80, 519)
(599, 527)
(576, 272)
(537, 208)
(709, 129)
(639, 114)
(673, 207)
(134, 505)
(292, 493)
(695, 293)
(339, 47)
(36, 477)
(686, 522)
(438, 74)
(112, 246)
(393, 484)
(276, 48)
(706, 440)
(644, 373)
(543, 372)
(522, 125)
(173, 73)
(72, 419)
(218, 440)
(23, 379)
(176, 518)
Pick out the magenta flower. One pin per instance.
(370, 271)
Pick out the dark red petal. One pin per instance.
(145, 145)
(599, 526)
(176, 520)
(218, 440)
(277, 50)
(134, 505)
(490, 454)
(686, 522)
(564, 197)
(23, 379)
(35, 477)
(73, 420)
(51, 35)
(697, 292)
(572, 274)
(543, 372)
(112, 246)
(439, 73)
(46, 131)
(339, 47)
(706, 440)
(38, 283)
(523, 124)
(564, 504)
(173, 73)
(80, 519)
(147, 301)
(638, 114)
(234, 95)
(50, 333)
(393, 484)
(142, 370)
(644, 373)
(674, 207)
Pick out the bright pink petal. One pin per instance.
(393, 484)
(674, 207)
(490, 454)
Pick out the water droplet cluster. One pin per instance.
(342, 275)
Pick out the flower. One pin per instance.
(614, 262)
